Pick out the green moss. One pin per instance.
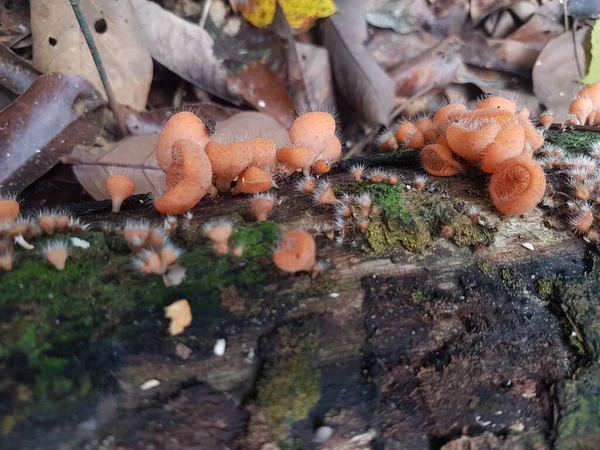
(289, 386)
(573, 141)
(468, 233)
(256, 239)
(579, 401)
(485, 268)
(389, 198)
(418, 296)
(437, 214)
(382, 234)
(545, 286)
(510, 277)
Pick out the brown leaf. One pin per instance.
(482, 8)
(56, 113)
(366, 87)
(316, 72)
(537, 31)
(59, 46)
(251, 124)
(391, 49)
(514, 53)
(14, 18)
(555, 76)
(475, 49)
(182, 47)
(136, 153)
(16, 74)
(149, 122)
(434, 68)
(263, 89)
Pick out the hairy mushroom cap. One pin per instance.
(264, 153)
(438, 160)
(517, 185)
(409, 136)
(9, 208)
(228, 161)
(262, 205)
(295, 158)
(508, 143)
(581, 107)
(546, 119)
(440, 118)
(333, 151)
(533, 138)
(119, 187)
(297, 252)
(188, 179)
(313, 130)
(183, 125)
(591, 91)
(497, 102)
(252, 181)
(321, 167)
(56, 252)
(469, 139)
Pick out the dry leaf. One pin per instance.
(366, 87)
(263, 89)
(182, 47)
(137, 152)
(482, 8)
(390, 49)
(150, 122)
(14, 18)
(251, 124)
(56, 113)
(180, 314)
(555, 76)
(59, 46)
(537, 31)
(16, 74)
(316, 73)
(402, 16)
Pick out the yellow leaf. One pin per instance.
(593, 75)
(259, 13)
(299, 13)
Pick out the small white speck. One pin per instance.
(538, 63)
(79, 243)
(573, 334)
(322, 434)
(528, 246)
(262, 103)
(219, 348)
(149, 384)
(561, 94)
(334, 294)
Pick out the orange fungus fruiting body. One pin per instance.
(9, 210)
(228, 161)
(119, 187)
(517, 185)
(296, 253)
(253, 181)
(508, 144)
(191, 176)
(183, 125)
(313, 130)
(295, 158)
(263, 153)
(438, 161)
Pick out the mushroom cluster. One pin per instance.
(585, 107)
(492, 136)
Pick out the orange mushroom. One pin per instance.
(497, 102)
(183, 125)
(228, 161)
(190, 177)
(297, 252)
(119, 187)
(313, 130)
(440, 118)
(252, 181)
(438, 161)
(517, 185)
(333, 151)
(508, 143)
(56, 252)
(262, 206)
(469, 139)
(9, 208)
(263, 153)
(295, 158)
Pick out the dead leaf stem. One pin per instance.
(89, 39)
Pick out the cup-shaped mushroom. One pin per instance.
(295, 158)
(228, 161)
(253, 181)
(508, 144)
(440, 118)
(533, 138)
(409, 136)
(263, 153)
(581, 107)
(313, 130)
(497, 102)
(297, 252)
(438, 161)
(333, 151)
(183, 125)
(190, 175)
(591, 91)
(517, 185)
(468, 139)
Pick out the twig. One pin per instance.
(573, 36)
(565, 127)
(89, 39)
(204, 15)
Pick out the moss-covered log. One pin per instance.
(430, 330)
